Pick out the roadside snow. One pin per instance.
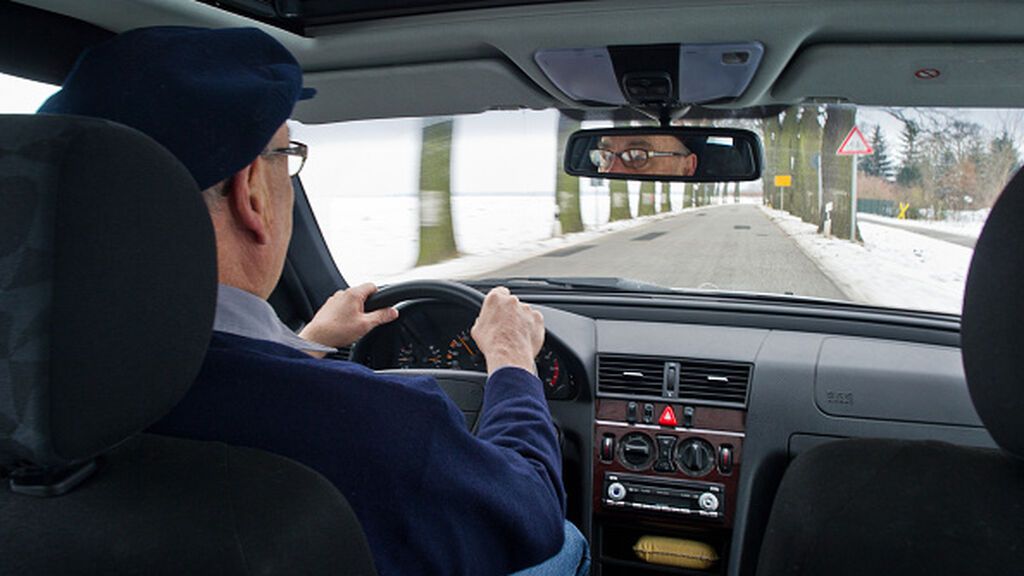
(894, 268)
(970, 228)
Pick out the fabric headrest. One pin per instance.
(107, 286)
(990, 338)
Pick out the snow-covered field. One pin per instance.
(893, 267)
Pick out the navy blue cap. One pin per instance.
(213, 97)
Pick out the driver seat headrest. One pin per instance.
(107, 287)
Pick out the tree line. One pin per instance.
(437, 234)
(944, 162)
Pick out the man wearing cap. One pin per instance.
(432, 498)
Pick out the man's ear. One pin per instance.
(249, 203)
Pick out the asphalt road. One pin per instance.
(733, 247)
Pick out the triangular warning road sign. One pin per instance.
(855, 144)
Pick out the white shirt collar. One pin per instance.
(245, 314)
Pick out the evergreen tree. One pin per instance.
(878, 164)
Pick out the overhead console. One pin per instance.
(663, 75)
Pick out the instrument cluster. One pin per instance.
(432, 335)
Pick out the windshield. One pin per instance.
(483, 196)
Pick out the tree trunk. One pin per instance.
(689, 195)
(785, 151)
(567, 188)
(618, 193)
(770, 128)
(437, 235)
(807, 172)
(837, 171)
(646, 205)
(666, 197)
(736, 192)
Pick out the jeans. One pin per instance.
(572, 560)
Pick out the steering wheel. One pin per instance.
(464, 387)
(443, 290)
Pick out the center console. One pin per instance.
(667, 460)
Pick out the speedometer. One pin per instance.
(463, 353)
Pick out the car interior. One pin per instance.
(702, 432)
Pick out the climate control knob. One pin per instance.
(636, 451)
(695, 456)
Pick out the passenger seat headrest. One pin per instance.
(991, 335)
(107, 287)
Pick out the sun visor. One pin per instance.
(435, 89)
(982, 75)
(677, 73)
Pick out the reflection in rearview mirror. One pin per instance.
(665, 154)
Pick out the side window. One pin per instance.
(21, 96)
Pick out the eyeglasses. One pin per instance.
(296, 154)
(632, 158)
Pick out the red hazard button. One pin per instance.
(668, 417)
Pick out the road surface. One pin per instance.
(731, 247)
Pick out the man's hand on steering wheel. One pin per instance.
(342, 319)
(508, 332)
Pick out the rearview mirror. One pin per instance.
(674, 154)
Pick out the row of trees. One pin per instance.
(945, 162)
(437, 234)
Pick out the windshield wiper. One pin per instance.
(576, 284)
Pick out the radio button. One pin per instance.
(708, 502)
(616, 491)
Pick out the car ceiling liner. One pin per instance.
(663, 75)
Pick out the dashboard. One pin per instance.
(679, 419)
(437, 335)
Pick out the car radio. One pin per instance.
(704, 499)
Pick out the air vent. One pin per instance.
(699, 381)
(713, 382)
(631, 376)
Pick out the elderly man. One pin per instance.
(659, 155)
(432, 498)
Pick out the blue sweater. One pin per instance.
(432, 498)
